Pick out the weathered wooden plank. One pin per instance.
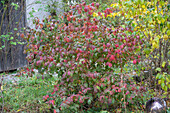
(12, 56)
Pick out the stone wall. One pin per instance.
(40, 9)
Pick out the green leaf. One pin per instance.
(12, 4)
(113, 100)
(165, 88)
(163, 64)
(147, 51)
(21, 43)
(158, 76)
(10, 33)
(168, 32)
(5, 36)
(98, 87)
(104, 112)
(89, 101)
(158, 69)
(15, 29)
(162, 84)
(2, 47)
(123, 26)
(13, 43)
(15, 8)
(40, 9)
(38, 2)
(11, 38)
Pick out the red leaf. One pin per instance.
(27, 69)
(127, 92)
(97, 5)
(134, 62)
(22, 35)
(55, 111)
(112, 57)
(117, 45)
(109, 64)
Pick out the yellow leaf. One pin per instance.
(159, 36)
(151, 39)
(146, 34)
(95, 14)
(165, 93)
(168, 32)
(161, 12)
(165, 37)
(19, 110)
(164, 30)
(162, 20)
(155, 57)
(103, 15)
(166, 2)
(109, 15)
(155, 45)
(159, 81)
(163, 64)
(159, 22)
(118, 13)
(114, 14)
(113, 5)
(167, 80)
(134, 22)
(148, 12)
(143, 6)
(2, 88)
(150, 33)
(168, 25)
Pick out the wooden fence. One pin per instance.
(12, 20)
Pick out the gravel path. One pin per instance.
(14, 77)
(9, 78)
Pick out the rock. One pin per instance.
(156, 105)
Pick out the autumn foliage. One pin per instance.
(85, 53)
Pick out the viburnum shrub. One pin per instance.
(85, 53)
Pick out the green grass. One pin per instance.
(27, 95)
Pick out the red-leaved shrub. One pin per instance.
(85, 53)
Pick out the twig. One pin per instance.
(2, 96)
(122, 81)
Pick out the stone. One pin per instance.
(156, 105)
(40, 10)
